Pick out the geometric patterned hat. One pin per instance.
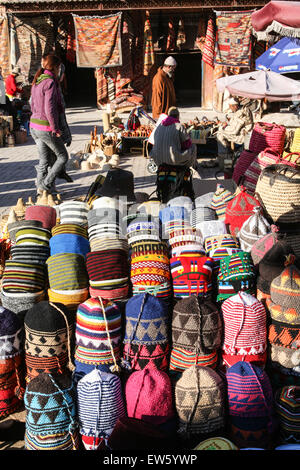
(200, 401)
(220, 200)
(218, 246)
(11, 334)
(287, 405)
(236, 274)
(254, 228)
(50, 403)
(264, 244)
(239, 209)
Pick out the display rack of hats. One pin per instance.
(168, 322)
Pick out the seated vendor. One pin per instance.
(238, 123)
(174, 154)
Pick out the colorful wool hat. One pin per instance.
(45, 214)
(13, 227)
(250, 405)
(74, 229)
(264, 244)
(236, 274)
(69, 243)
(219, 246)
(50, 403)
(33, 236)
(146, 339)
(23, 277)
(239, 209)
(35, 254)
(220, 200)
(245, 330)
(70, 298)
(148, 394)
(253, 229)
(73, 212)
(100, 404)
(12, 384)
(172, 217)
(191, 274)
(104, 244)
(284, 305)
(67, 271)
(143, 229)
(284, 346)
(287, 406)
(200, 401)
(196, 333)
(216, 443)
(98, 334)
(49, 330)
(21, 302)
(108, 274)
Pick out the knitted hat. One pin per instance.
(69, 243)
(211, 228)
(287, 355)
(236, 274)
(250, 401)
(272, 265)
(181, 201)
(74, 229)
(106, 202)
(196, 328)
(172, 217)
(67, 271)
(191, 274)
(245, 330)
(284, 305)
(36, 254)
(201, 214)
(20, 302)
(73, 212)
(239, 209)
(11, 362)
(243, 162)
(49, 330)
(50, 402)
(204, 200)
(200, 401)
(98, 333)
(15, 226)
(33, 236)
(118, 183)
(216, 443)
(264, 244)
(220, 200)
(219, 246)
(146, 339)
(70, 299)
(149, 396)
(254, 228)
(46, 214)
(22, 277)
(100, 405)
(142, 229)
(287, 405)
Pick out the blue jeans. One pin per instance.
(46, 170)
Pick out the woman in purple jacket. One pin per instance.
(46, 106)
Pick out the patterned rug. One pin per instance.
(233, 38)
(98, 40)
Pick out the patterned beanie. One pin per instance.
(172, 218)
(149, 396)
(73, 212)
(14, 227)
(196, 333)
(219, 246)
(236, 274)
(253, 229)
(36, 254)
(250, 400)
(45, 214)
(191, 274)
(98, 334)
(220, 200)
(264, 244)
(239, 209)
(12, 384)
(67, 271)
(287, 406)
(186, 239)
(69, 298)
(200, 401)
(49, 341)
(100, 404)
(245, 330)
(50, 403)
(33, 236)
(22, 277)
(143, 228)
(69, 228)
(146, 339)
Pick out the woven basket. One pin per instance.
(243, 162)
(265, 158)
(278, 190)
(295, 147)
(266, 135)
(292, 159)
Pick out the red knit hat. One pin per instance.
(45, 214)
(239, 209)
(149, 396)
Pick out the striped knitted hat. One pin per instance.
(236, 274)
(200, 401)
(69, 228)
(173, 217)
(201, 214)
(264, 244)
(35, 254)
(106, 202)
(103, 244)
(33, 236)
(219, 246)
(253, 229)
(220, 200)
(146, 339)
(186, 237)
(45, 214)
(108, 274)
(245, 330)
(73, 212)
(196, 333)
(287, 406)
(98, 334)
(70, 298)
(100, 405)
(14, 227)
(143, 228)
(104, 215)
(67, 271)
(23, 277)
(239, 209)
(12, 385)
(49, 339)
(50, 403)
(250, 400)
(191, 274)
(148, 395)
(69, 243)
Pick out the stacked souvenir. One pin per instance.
(203, 210)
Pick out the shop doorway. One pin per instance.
(81, 86)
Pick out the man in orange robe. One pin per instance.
(163, 91)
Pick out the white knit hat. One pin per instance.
(170, 61)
